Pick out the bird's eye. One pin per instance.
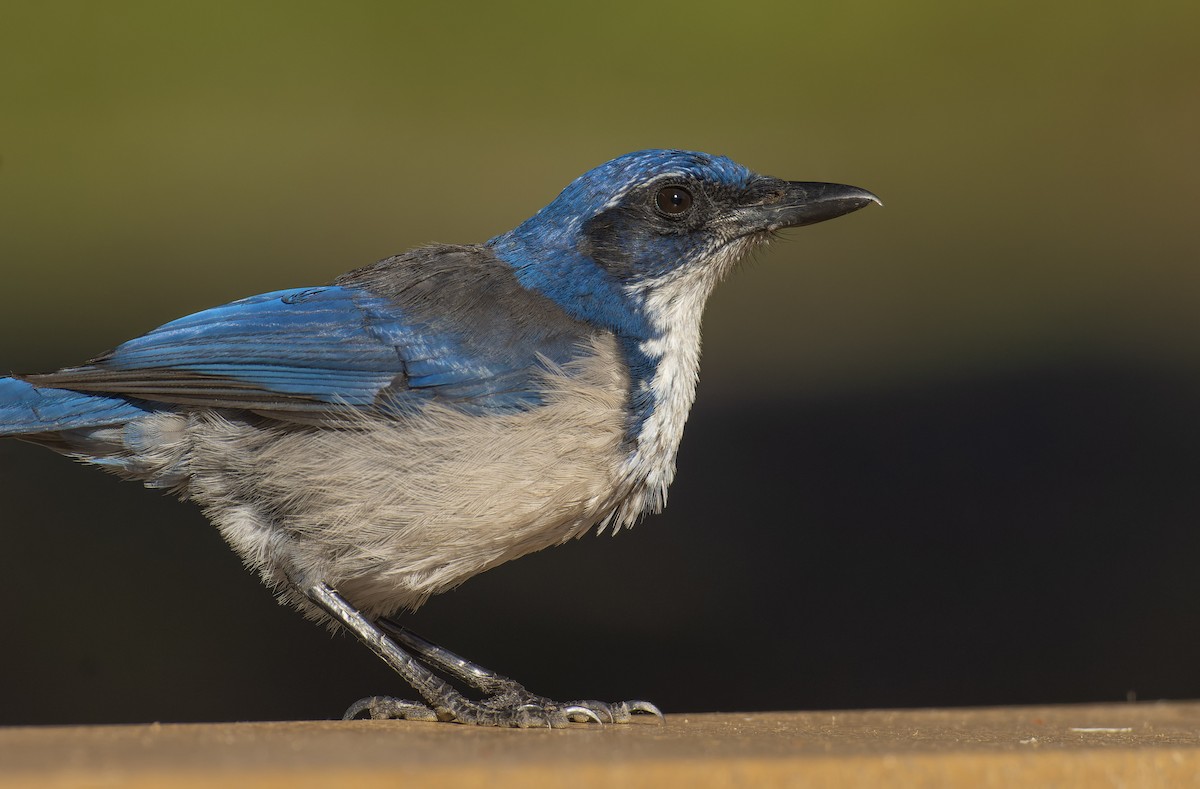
(673, 200)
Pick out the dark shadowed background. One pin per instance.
(944, 453)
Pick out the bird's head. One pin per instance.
(635, 246)
(663, 222)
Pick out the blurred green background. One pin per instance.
(973, 387)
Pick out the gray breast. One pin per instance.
(391, 511)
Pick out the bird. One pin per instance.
(366, 444)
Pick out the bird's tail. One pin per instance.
(115, 433)
(28, 410)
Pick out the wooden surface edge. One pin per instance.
(1089, 745)
(1123, 767)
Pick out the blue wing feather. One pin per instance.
(447, 323)
(312, 343)
(305, 348)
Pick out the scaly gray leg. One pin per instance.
(445, 703)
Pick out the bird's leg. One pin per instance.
(503, 691)
(445, 703)
(475, 675)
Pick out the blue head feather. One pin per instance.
(553, 251)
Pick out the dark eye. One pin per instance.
(673, 200)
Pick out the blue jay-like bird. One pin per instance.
(366, 444)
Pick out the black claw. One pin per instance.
(644, 708)
(602, 711)
(583, 713)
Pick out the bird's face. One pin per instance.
(657, 215)
(659, 221)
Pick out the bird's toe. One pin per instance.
(388, 708)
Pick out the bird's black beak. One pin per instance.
(799, 203)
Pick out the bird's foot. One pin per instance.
(585, 711)
(505, 701)
(505, 710)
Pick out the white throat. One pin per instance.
(674, 307)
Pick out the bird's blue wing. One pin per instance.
(301, 350)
